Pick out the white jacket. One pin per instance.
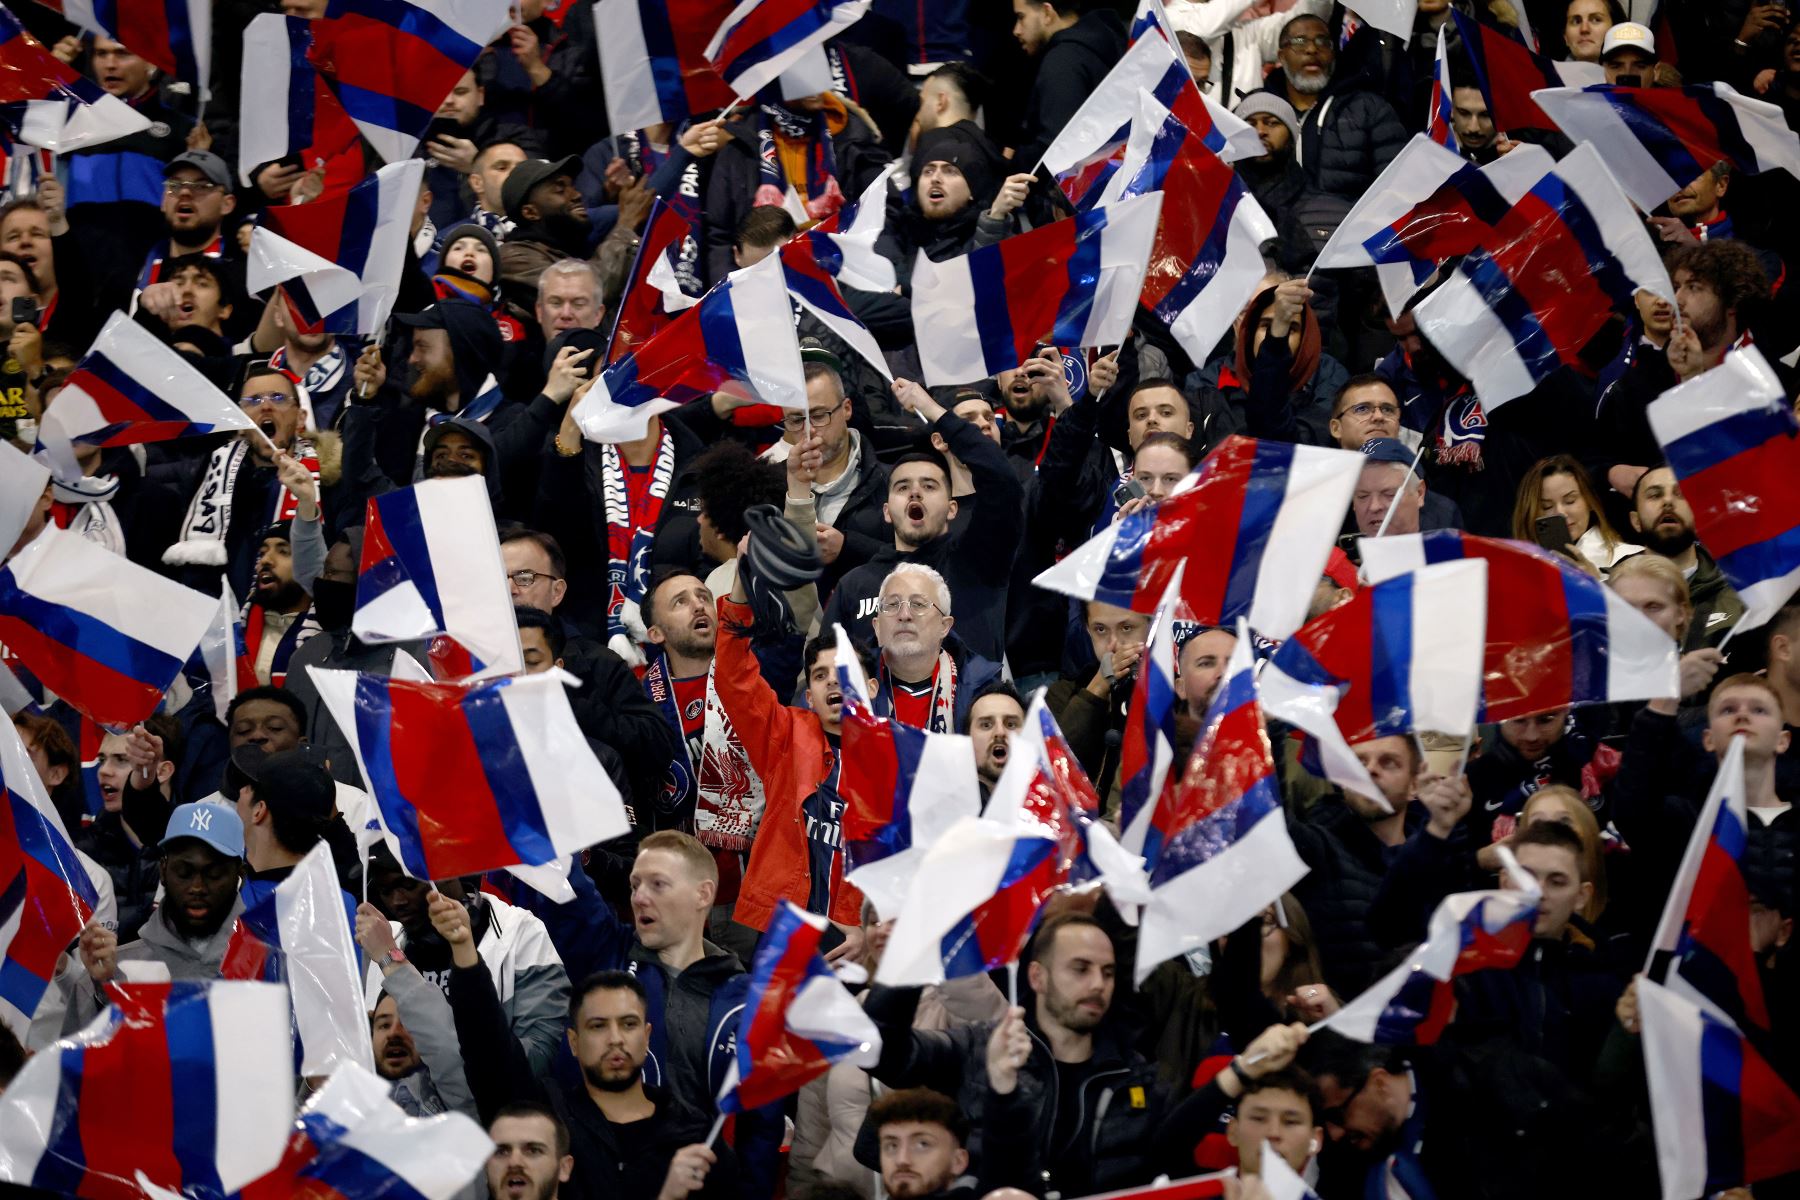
(1244, 49)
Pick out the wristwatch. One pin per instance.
(395, 957)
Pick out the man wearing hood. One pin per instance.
(277, 617)
(961, 200)
(1276, 381)
(1075, 50)
(1348, 134)
(468, 268)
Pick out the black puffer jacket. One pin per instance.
(1072, 66)
(1346, 864)
(1347, 138)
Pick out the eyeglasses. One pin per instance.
(277, 399)
(523, 580)
(1366, 410)
(917, 605)
(1318, 41)
(817, 416)
(1335, 1114)
(200, 187)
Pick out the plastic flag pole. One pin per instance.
(1404, 484)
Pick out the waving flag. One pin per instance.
(352, 1140)
(1470, 931)
(1440, 126)
(1403, 655)
(646, 306)
(1657, 141)
(1072, 283)
(1219, 852)
(1569, 253)
(1430, 205)
(1723, 1117)
(902, 788)
(1555, 634)
(1255, 527)
(299, 935)
(392, 62)
(476, 778)
(131, 388)
(338, 260)
(46, 897)
(215, 664)
(1390, 16)
(742, 330)
(810, 283)
(46, 104)
(1729, 436)
(1702, 945)
(305, 122)
(1207, 260)
(23, 481)
(653, 60)
(187, 1086)
(973, 903)
(843, 244)
(1150, 15)
(762, 38)
(431, 565)
(1147, 751)
(1508, 74)
(174, 36)
(100, 631)
(797, 1020)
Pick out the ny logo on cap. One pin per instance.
(201, 821)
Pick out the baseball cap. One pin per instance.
(812, 350)
(296, 780)
(215, 824)
(1628, 35)
(528, 174)
(1387, 450)
(204, 161)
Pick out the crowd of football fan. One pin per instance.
(590, 1038)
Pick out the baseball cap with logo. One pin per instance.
(215, 824)
(1391, 450)
(1628, 35)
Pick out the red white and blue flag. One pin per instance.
(1255, 525)
(1702, 944)
(306, 124)
(739, 338)
(1555, 635)
(760, 39)
(653, 60)
(338, 260)
(431, 565)
(1723, 1117)
(174, 36)
(1147, 777)
(1657, 141)
(299, 934)
(1206, 262)
(1219, 852)
(1470, 931)
(652, 294)
(1404, 654)
(129, 388)
(1507, 74)
(351, 1140)
(903, 787)
(44, 103)
(100, 631)
(183, 1086)
(1570, 252)
(1729, 436)
(46, 896)
(1429, 206)
(844, 242)
(1150, 15)
(392, 62)
(475, 778)
(1074, 282)
(22, 483)
(1440, 125)
(813, 286)
(798, 1017)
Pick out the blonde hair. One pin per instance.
(687, 848)
(1661, 570)
(1587, 828)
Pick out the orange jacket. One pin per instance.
(790, 754)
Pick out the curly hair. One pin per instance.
(1731, 271)
(732, 479)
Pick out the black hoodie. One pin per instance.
(1072, 66)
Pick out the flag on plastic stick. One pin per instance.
(220, 649)
(174, 36)
(1469, 931)
(843, 244)
(973, 903)
(1657, 141)
(1570, 252)
(1440, 125)
(188, 1086)
(647, 305)
(100, 631)
(338, 259)
(46, 897)
(130, 388)
(22, 483)
(1147, 777)
(392, 62)
(1702, 944)
(475, 778)
(1730, 437)
(653, 60)
(44, 103)
(1219, 852)
(1403, 655)
(299, 935)
(352, 1140)
(798, 1018)
(739, 338)
(1723, 1117)
(762, 38)
(304, 121)
(1556, 636)
(431, 565)
(1074, 282)
(1430, 205)
(1255, 524)
(812, 286)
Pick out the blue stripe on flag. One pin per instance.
(1083, 280)
(64, 1162)
(1530, 342)
(193, 1082)
(1722, 115)
(413, 19)
(993, 314)
(1725, 439)
(909, 749)
(347, 1171)
(1390, 656)
(1199, 843)
(88, 636)
(1658, 140)
(1721, 1104)
(1118, 582)
(1207, 261)
(374, 717)
(1606, 269)
(665, 63)
(1264, 493)
(387, 112)
(719, 333)
(1586, 603)
(300, 93)
(362, 212)
(503, 765)
(405, 530)
(116, 377)
(50, 849)
(1770, 558)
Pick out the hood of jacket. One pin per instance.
(1099, 32)
(480, 433)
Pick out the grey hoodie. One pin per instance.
(157, 943)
